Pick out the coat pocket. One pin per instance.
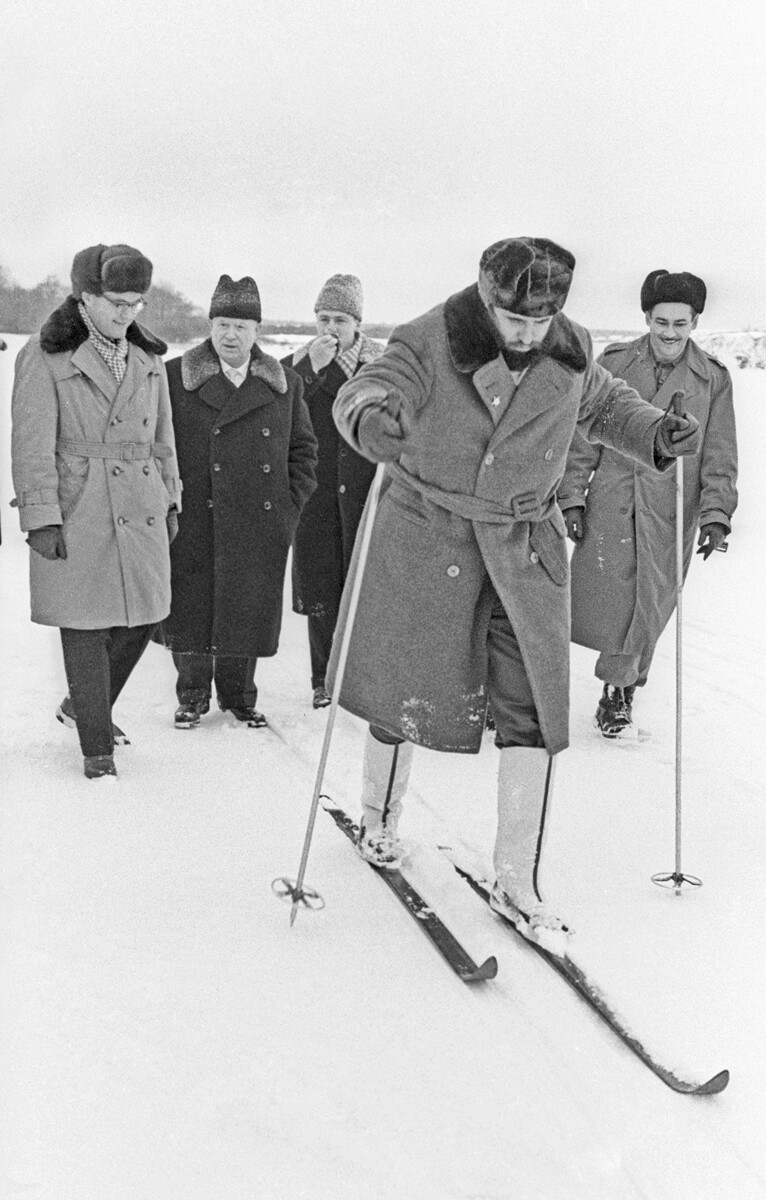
(73, 475)
(550, 546)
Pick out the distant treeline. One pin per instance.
(168, 313)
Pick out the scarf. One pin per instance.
(114, 354)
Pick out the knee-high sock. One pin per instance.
(524, 787)
(386, 771)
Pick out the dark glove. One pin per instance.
(677, 435)
(575, 519)
(48, 540)
(171, 520)
(712, 537)
(382, 433)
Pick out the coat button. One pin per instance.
(216, 432)
(548, 455)
(216, 466)
(146, 420)
(342, 488)
(265, 432)
(534, 557)
(343, 453)
(121, 521)
(209, 503)
(453, 571)
(267, 505)
(489, 460)
(146, 470)
(117, 470)
(150, 520)
(266, 468)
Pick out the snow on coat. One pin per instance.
(624, 569)
(324, 539)
(247, 457)
(470, 507)
(99, 458)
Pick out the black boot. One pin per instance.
(614, 712)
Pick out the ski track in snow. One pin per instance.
(165, 1035)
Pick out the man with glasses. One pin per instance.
(97, 486)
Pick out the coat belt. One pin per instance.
(527, 506)
(126, 451)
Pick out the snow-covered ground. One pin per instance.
(165, 1034)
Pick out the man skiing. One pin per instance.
(621, 516)
(465, 596)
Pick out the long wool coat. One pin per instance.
(470, 507)
(624, 569)
(324, 539)
(99, 457)
(247, 457)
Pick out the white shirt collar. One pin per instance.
(237, 375)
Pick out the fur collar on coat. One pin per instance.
(66, 330)
(202, 363)
(472, 340)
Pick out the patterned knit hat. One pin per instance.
(341, 293)
(238, 300)
(660, 287)
(119, 268)
(527, 276)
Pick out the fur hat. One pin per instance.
(660, 287)
(119, 268)
(527, 276)
(341, 293)
(239, 300)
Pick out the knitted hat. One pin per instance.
(341, 293)
(527, 276)
(100, 269)
(239, 300)
(660, 287)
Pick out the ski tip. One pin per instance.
(714, 1085)
(488, 969)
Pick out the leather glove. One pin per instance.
(171, 520)
(575, 519)
(677, 435)
(712, 537)
(381, 433)
(48, 541)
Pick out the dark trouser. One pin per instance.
(321, 630)
(98, 663)
(234, 678)
(508, 690)
(624, 670)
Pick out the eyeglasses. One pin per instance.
(122, 306)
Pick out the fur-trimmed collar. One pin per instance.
(66, 330)
(472, 341)
(202, 363)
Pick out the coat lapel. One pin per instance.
(253, 393)
(542, 387)
(88, 360)
(139, 366)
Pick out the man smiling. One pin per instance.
(621, 517)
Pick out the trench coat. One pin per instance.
(469, 510)
(624, 582)
(97, 457)
(324, 539)
(247, 457)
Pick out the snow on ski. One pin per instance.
(432, 925)
(589, 991)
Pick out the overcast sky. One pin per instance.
(393, 139)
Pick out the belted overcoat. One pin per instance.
(97, 457)
(624, 584)
(247, 457)
(470, 510)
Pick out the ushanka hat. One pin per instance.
(662, 287)
(527, 276)
(239, 300)
(119, 268)
(341, 293)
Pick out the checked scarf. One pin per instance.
(114, 354)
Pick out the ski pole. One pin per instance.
(296, 890)
(676, 879)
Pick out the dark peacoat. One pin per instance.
(470, 510)
(98, 458)
(624, 570)
(247, 458)
(324, 539)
